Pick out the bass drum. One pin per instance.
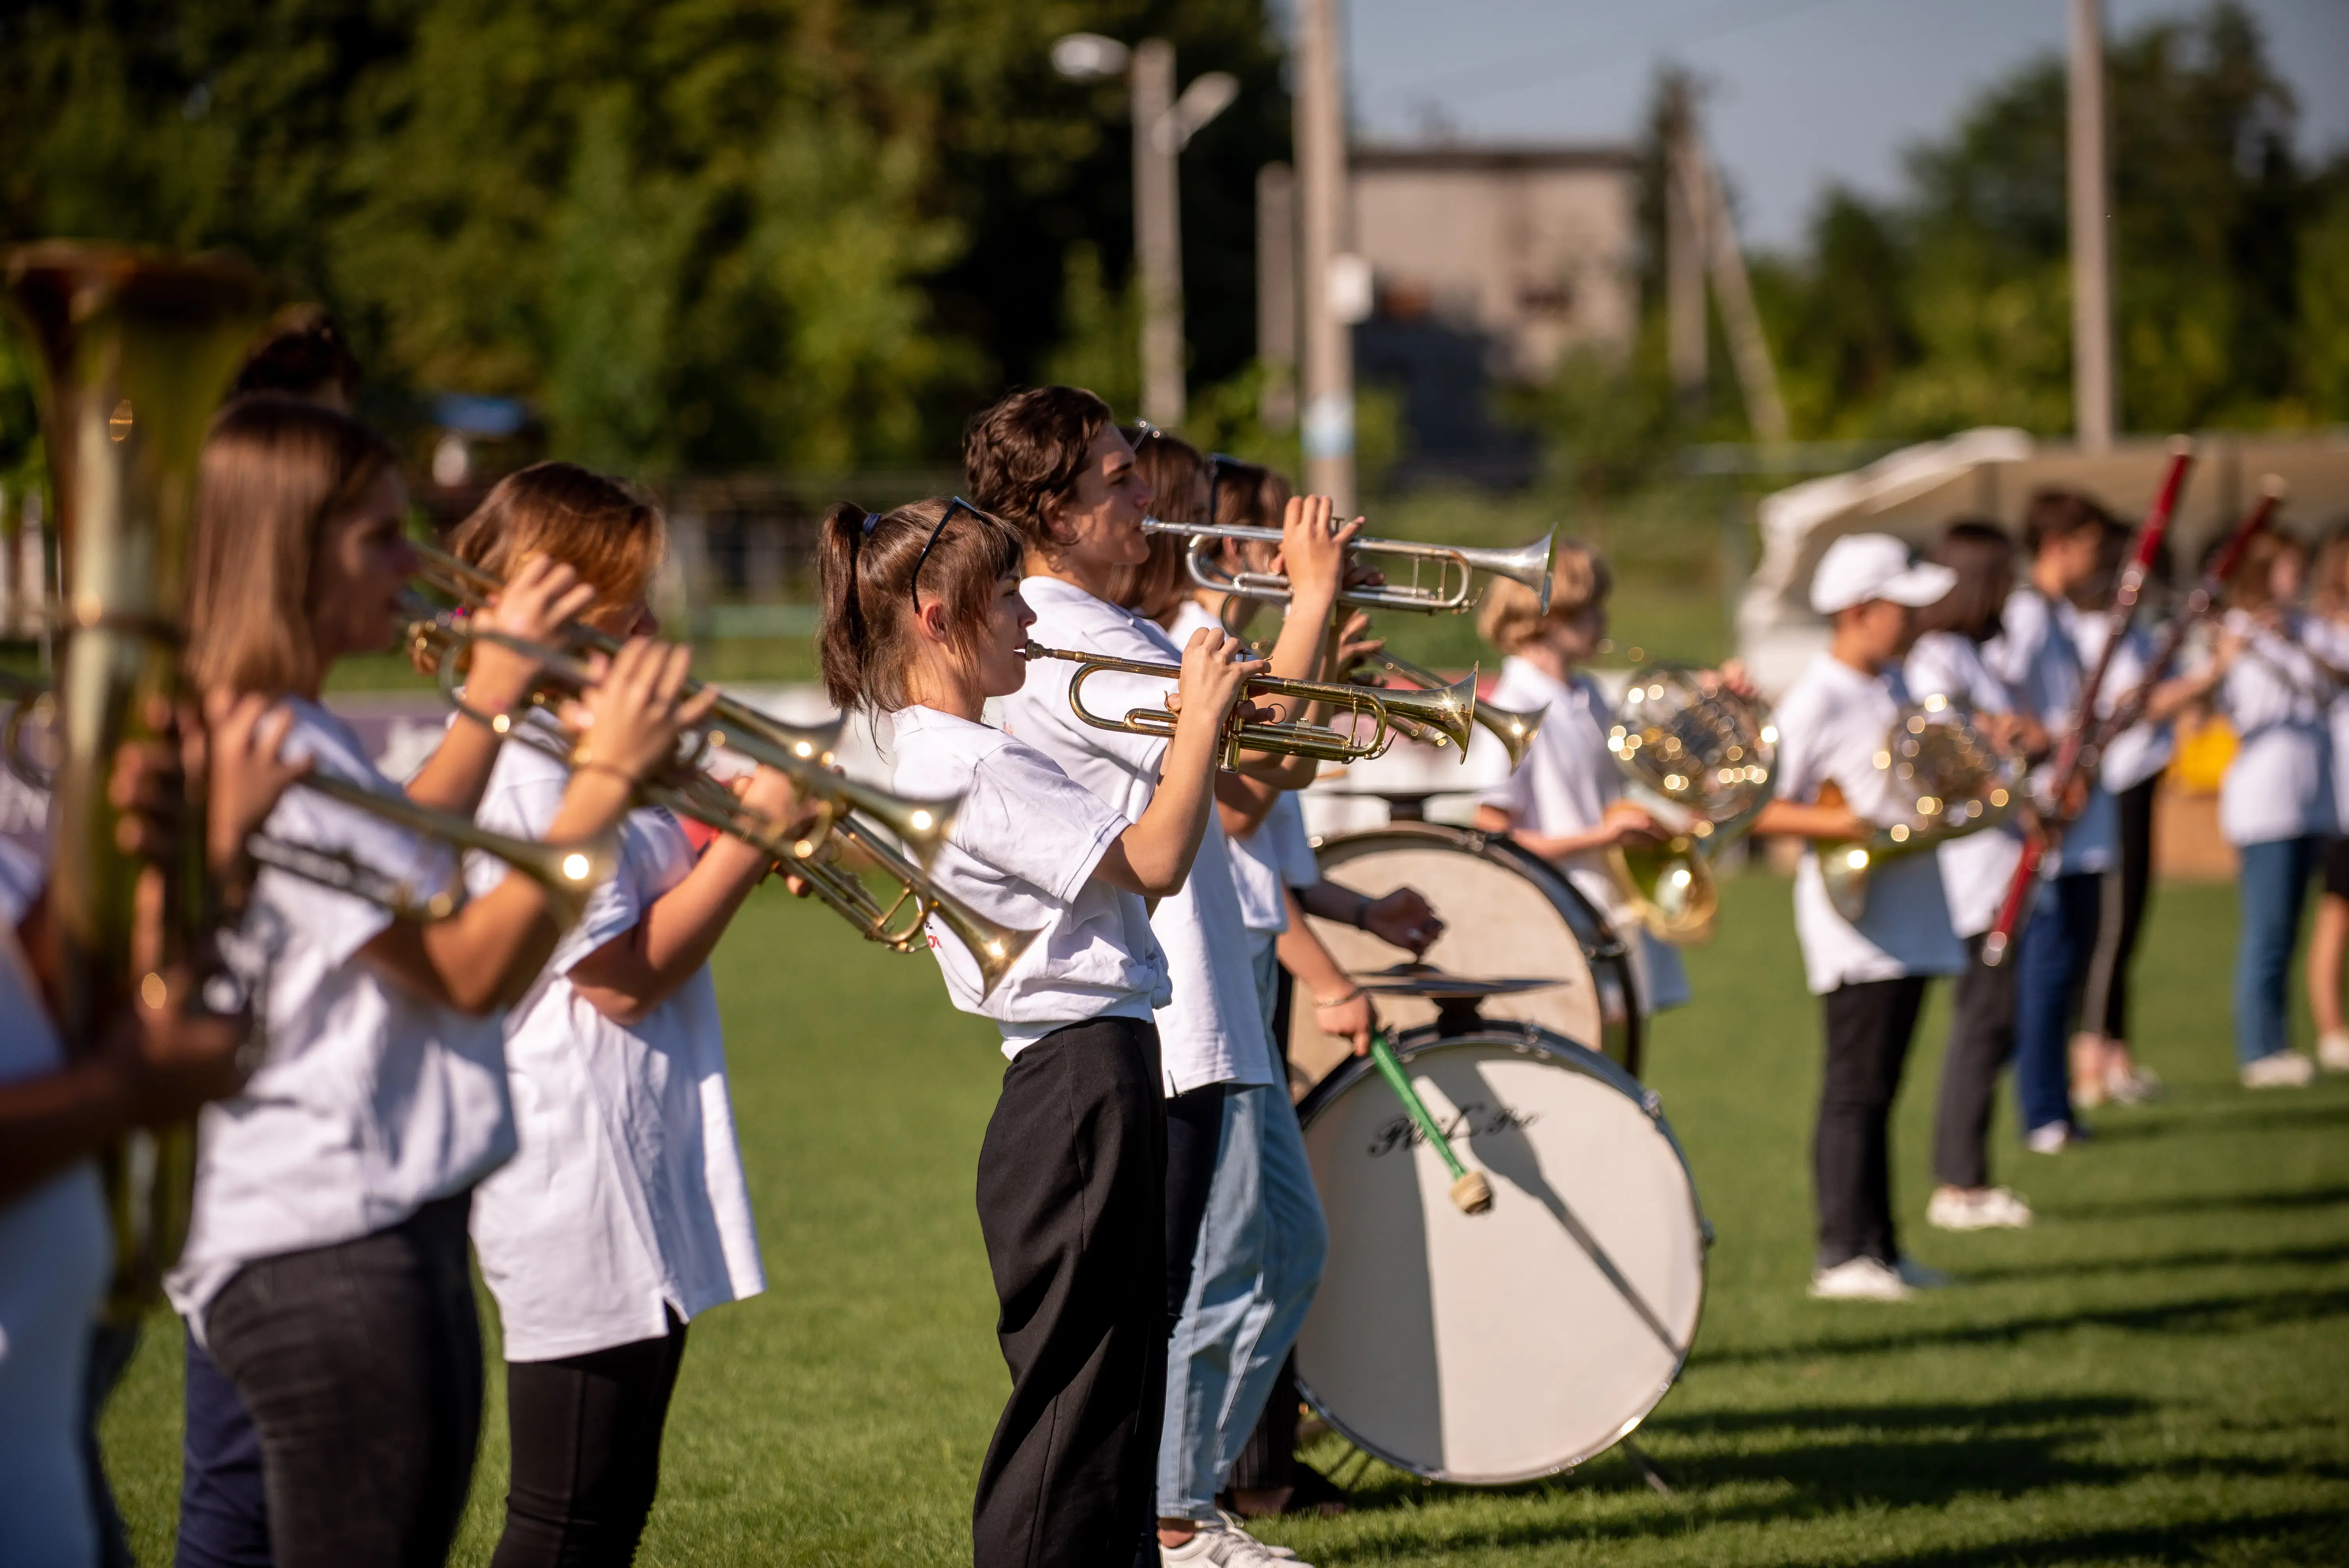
(1508, 914)
(1514, 1344)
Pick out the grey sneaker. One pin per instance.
(2284, 1069)
(1860, 1279)
(1221, 1540)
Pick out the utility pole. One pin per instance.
(1684, 247)
(1276, 294)
(2092, 300)
(1320, 136)
(1157, 232)
(1749, 349)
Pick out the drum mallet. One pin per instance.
(1470, 1190)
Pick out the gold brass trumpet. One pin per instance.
(1455, 568)
(1447, 715)
(684, 788)
(833, 872)
(1514, 730)
(1710, 754)
(1957, 779)
(471, 587)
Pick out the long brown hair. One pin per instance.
(596, 526)
(2251, 585)
(865, 563)
(1177, 477)
(1983, 555)
(275, 471)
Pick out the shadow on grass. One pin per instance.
(2199, 1203)
(2201, 1314)
(2071, 1268)
(2306, 1536)
(2219, 1117)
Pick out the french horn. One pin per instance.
(1707, 756)
(1955, 779)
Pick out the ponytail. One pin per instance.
(865, 563)
(843, 645)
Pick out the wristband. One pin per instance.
(1338, 1002)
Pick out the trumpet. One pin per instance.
(1958, 781)
(684, 787)
(899, 923)
(1447, 715)
(1514, 730)
(430, 638)
(568, 873)
(1455, 568)
(1711, 754)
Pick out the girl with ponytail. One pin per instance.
(923, 622)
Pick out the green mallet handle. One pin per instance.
(1470, 1189)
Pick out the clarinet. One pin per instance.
(2077, 757)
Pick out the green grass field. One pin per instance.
(2159, 1373)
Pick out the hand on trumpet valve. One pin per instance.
(770, 794)
(1403, 919)
(1313, 552)
(1214, 677)
(534, 606)
(627, 723)
(1355, 645)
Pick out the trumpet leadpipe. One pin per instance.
(1456, 566)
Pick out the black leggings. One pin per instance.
(361, 1365)
(1982, 1041)
(586, 1452)
(2104, 1001)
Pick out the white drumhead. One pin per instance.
(1495, 1348)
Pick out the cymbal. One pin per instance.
(1427, 980)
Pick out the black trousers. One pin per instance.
(1072, 1209)
(1982, 1041)
(361, 1366)
(224, 1503)
(586, 1433)
(2104, 1001)
(1194, 1136)
(1869, 1026)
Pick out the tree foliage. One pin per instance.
(705, 232)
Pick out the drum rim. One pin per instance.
(1593, 932)
(1534, 1040)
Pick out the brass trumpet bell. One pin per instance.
(1514, 730)
(836, 876)
(1673, 888)
(1712, 755)
(1455, 568)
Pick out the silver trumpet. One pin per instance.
(1957, 781)
(1454, 565)
(1710, 754)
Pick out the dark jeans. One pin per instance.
(1981, 1038)
(2274, 892)
(1267, 1461)
(2120, 913)
(1194, 1133)
(586, 1452)
(2048, 967)
(1869, 1026)
(1072, 1209)
(361, 1365)
(223, 1507)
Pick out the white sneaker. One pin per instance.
(2052, 1138)
(1981, 1208)
(1221, 1542)
(2284, 1069)
(2332, 1052)
(2124, 1085)
(1860, 1279)
(1922, 1277)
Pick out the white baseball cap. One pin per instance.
(1863, 566)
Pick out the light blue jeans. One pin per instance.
(2274, 888)
(1253, 1275)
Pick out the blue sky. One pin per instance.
(1802, 92)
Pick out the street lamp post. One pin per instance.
(1164, 125)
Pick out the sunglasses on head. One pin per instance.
(913, 582)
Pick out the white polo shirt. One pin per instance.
(370, 1101)
(627, 1196)
(1831, 723)
(55, 1251)
(1022, 852)
(1280, 855)
(1213, 1029)
(2280, 784)
(2040, 654)
(1564, 785)
(1977, 869)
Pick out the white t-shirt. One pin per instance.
(1213, 1029)
(1022, 852)
(2329, 640)
(2280, 784)
(55, 1250)
(1831, 723)
(370, 1101)
(627, 1196)
(2038, 653)
(1977, 869)
(1564, 785)
(1278, 855)
(2142, 751)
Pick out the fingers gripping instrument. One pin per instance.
(2076, 759)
